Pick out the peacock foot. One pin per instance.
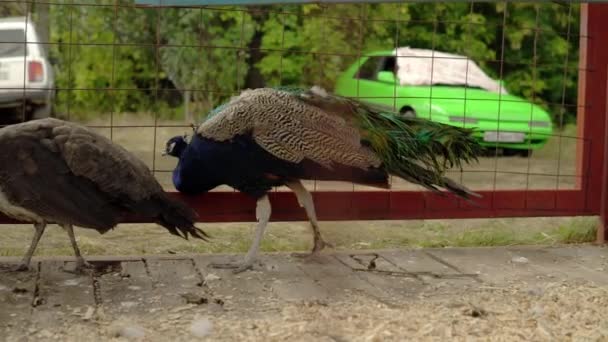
(319, 245)
(82, 267)
(237, 267)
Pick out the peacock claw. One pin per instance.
(237, 267)
(320, 245)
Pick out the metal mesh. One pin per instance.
(142, 74)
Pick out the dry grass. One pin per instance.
(138, 239)
(551, 312)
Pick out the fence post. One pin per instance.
(602, 230)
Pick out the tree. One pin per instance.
(127, 60)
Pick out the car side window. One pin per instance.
(12, 43)
(369, 69)
(389, 64)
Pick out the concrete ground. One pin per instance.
(512, 293)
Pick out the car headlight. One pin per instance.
(539, 123)
(463, 119)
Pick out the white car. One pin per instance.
(26, 76)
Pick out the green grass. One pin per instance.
(141, 239)
(580, 231)
(560, 145)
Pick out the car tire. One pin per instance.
(525, 153)
(407, 112)
(41, 112)
(513, 152)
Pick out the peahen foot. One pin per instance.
(82, 266)
(21, 268)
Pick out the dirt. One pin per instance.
(554, 312)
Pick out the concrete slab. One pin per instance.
(62, 297)
(16, 296)
(126, 288)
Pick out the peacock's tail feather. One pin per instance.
(415, 149)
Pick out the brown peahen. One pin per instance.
(53, 171)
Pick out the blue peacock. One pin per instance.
(269, 137)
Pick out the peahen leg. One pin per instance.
(305, 200)
(262, 213)
(80, 262)
(25, 263)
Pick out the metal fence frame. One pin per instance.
(589, 199)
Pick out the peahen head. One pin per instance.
(176, 146)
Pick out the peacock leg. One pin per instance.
(25, 263)
(262, 213)
(305, 200)
(80, 262)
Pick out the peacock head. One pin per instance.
(176, 146)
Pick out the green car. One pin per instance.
(503, 121)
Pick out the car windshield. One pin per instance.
(428, 67)
(12, 43)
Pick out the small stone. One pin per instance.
(130, 332)
(211, 277)
(89, 314)
(45, 334)
(520, 260)
(193, 298)
(201, 327)
(71, 282)
(128, 304)
(475, 312)
(134, 288)
(535, 291)
(173, 317)
(3, 288)
(181, 308)
(537, 310)
(19, 290)
(38, 301)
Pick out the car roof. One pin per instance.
(16, 20)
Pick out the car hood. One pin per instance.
(483, 105)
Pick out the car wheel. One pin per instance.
(513, 152)
(407, 112)
(525, 153)
(42, 112)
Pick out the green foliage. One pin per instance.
(204, 51)
(119, 67)
(95, 72)
(540, 58)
